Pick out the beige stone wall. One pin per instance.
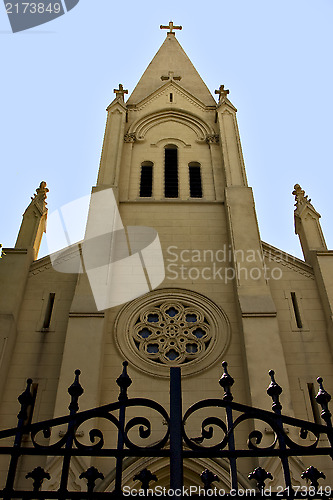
(37, 353)
(307, 350)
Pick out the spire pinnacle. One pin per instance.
(171, 27)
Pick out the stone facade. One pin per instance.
(264, 308)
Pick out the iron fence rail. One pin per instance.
(175, 444)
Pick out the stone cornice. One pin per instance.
(86, 314)
(13, 251)
(287, 260)
(161, 90)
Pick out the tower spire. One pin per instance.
(171, 64)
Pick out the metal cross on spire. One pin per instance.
(171, 27)
(120, 92)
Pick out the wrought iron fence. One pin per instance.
(175, 443)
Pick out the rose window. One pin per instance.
(172, 332)
(172, 327)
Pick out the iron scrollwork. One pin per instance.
(221, 420)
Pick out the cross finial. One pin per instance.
(221, 92)
(171, 27)
(120, 92)
(170, 76)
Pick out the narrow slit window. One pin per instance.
(314, 404)
(146, 182)
(296, 310)
(48, 312)
(195, 180)
(171, 97)
(171, 172)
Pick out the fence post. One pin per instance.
(176, 448)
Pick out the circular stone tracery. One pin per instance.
(172, 332)
(172, 327)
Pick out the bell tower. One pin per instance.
(173, 157)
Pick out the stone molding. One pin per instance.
(162, 91)
(287, 260)
(144, 124)
(86, 314)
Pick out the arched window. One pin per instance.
(171, 171)
(146, 182)
(195, 180)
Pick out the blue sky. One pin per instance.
(274, 57)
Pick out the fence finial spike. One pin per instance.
(226, 381)
(145, 477)
(124, 381)
(25, 399)
(274, 391)
(260, 475)
(323, 398)
(313, 474)
(75, 391)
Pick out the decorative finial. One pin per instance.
(124, 381)
(2, 253)
(145, 477)
(260, 475)
(41, 192)
(274, 391)
(171, 27)
(323, 398)
(313, 474)
(226, 381)
(222, 92)
(91, 475)
(25, 399)
(75, 391)
(38, 475)
(208, 477)
(300, 197)
(120, 92)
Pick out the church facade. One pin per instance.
(172, 157)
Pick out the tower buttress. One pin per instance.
(113, 141)
(308, 229)
(14, 269)
(257, 311)
(230, 141)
